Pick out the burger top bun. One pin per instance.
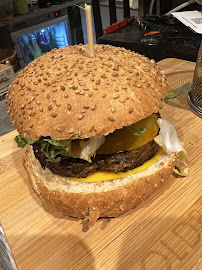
(66, 94)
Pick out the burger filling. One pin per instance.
(120, 151)
(117, 162)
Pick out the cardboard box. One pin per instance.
(7, 75)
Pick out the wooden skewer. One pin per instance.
(89, 30)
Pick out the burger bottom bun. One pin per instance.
(93, 200)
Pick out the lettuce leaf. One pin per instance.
(89, 148)
(137, 131)
(22, 142)
(52, 149)
(169, 137)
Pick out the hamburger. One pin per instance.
(91, 129)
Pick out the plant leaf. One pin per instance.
(178, 91)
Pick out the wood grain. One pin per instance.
(165, 232)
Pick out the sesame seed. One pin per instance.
(75, 87)
(104, 95)
(69, 106)
(71, 131)
(31, 125)
(97, 82)
(65, 95)
(116, 68)
(81, 83)
(124, 87)
(50, 107)
(93, 107)
(139, 97)
(139, 85)
(115, 74)
(80, 116)
(95, 87)
(90, 94)
(92, 79)
(161, 98)
(111, 118)
(91, 129)
(62, 88)
(108, 64)
(116, 96)
(130, 110)
(107, 82)
(112, 109)
(54, 114)
(58, 129)
(85, 88)
(57, 104)
(122, 100)
(41, 109)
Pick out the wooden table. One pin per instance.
(164, 233)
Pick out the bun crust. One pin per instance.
(93, 200)
(66, 94)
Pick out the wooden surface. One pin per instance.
(165, 232)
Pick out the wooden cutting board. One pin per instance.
(165, 232)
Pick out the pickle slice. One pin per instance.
(124, 140)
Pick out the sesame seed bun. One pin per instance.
(93, 200)
(65, 94)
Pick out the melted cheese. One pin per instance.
(107, 175)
